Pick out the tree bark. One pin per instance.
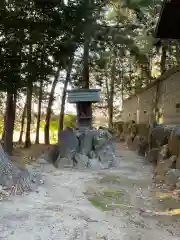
(28, 111)
(155, 118)
(67, 80)
(9, 122)
(111, 94)
(22, 124)
(48, 112)
(85, 79)
(163, 59)
(39, 111)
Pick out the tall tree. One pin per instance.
(49, 107)
(63, 100)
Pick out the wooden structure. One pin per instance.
(84, 99)
(168, 26)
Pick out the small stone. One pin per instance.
(159, 179)
(164, 153)
(174, 141)
(152, 155)
(92, 155)
(172, 177)
(81, 160)
(142, 148)
(178, 184)
(63, 163)
(164, 166)
(95, 164)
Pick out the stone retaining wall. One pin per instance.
(159, 146)
(139, 107)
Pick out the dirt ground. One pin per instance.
(22, 155)
(114, 204)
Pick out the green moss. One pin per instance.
(108, 198)
(98, 202)
(112, 193)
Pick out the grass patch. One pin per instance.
(123, 181)
(108, 199)
(112, 193)
(110, 179)
(98, 202)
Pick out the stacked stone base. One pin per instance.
(93, 149)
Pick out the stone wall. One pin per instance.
(139, 107)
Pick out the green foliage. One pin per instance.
(69, 121)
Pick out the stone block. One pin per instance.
(172, 177)
(152, 155)
(158, 137)
(164, 166)
(95, 164)
(86, 141)
(63, 163)
(178, 161)
(163, 153)
(81, 161)
(174, 141)
(142, 148)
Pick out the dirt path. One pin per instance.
(112, 204)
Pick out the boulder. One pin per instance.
(174, 141)
(68, 139)
(143, 130)
(152, 155)
(101, 138)
(158, 137)
(95, 164)
(142, 148)
(69, 144)
(81, 161)
(86, 141)
(178, 184)
(164, 166)
(172, 177)
(106, 156)
(160, 178)
(178, 161)
(63, 163)
(164, 153)
(136, 142)
(92, 154)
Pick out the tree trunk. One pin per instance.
(48, 112)
(155, 112)
(22, 124)
(39, 111)
(85, 79)
(28, 112)
(163, 59)
(3, 133)
(9, 122)
(111, 95)
(67, 80)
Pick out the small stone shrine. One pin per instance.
(84, 99)
(84, 147)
